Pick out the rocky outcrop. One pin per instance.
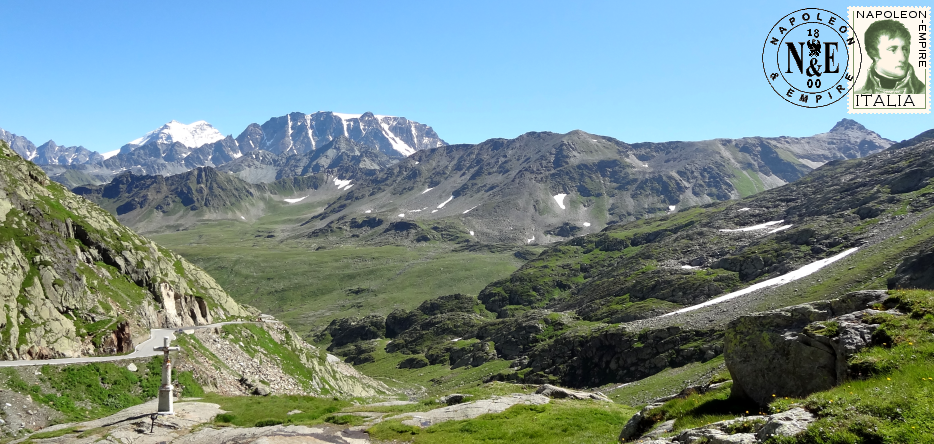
(345, 331)
(745, 430)
(798, 350)
(915, 271)
(552, 391)
(517, 336)
(401, 320)
(75, 282)
(473, 355)
(593, 356)
(436, 331)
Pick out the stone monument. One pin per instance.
(166, 389)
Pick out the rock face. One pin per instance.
(341, 157)
(915, 272)
(73, 281)
(590, 357)
(798, 350)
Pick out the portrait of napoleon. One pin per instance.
(888, 43)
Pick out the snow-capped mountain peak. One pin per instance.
(191, 135)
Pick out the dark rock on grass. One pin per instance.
(915, 272)
(349, 330)
(255, 387)
(413, 362)
(453, 399)
(525, 254)
(401, 320)
(449, 304)
(361, 359)
(797, 350)
(473, 355)
(436, 330)
(517, 336)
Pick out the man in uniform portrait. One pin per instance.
(888, 43)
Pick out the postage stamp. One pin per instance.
(895, 44)
(810, 57)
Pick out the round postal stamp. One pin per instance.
(811, 57)
(896, 40)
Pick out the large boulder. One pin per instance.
(798, 350)
(915, 272)
(552, 391)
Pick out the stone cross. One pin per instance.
(165, 390)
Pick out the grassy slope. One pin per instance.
(308, 288)
(432, 380)
(561, 421)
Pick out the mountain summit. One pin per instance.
(192, 135)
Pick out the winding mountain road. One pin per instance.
(143, 350)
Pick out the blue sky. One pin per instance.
(100, 74)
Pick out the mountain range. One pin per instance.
(536, 188)
(637, 298)
(175, 147)
(542, 187)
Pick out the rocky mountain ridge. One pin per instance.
(176, 148)
(49, 153)
(544, 187)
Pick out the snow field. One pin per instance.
(560, 199)
(774, 282)
(754, 227)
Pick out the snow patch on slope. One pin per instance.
(560, 199)
(108, 154)
(445, 203)
(295, 200)
(342, 183)
(754, 227)
(781, 280)
(397, 144)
